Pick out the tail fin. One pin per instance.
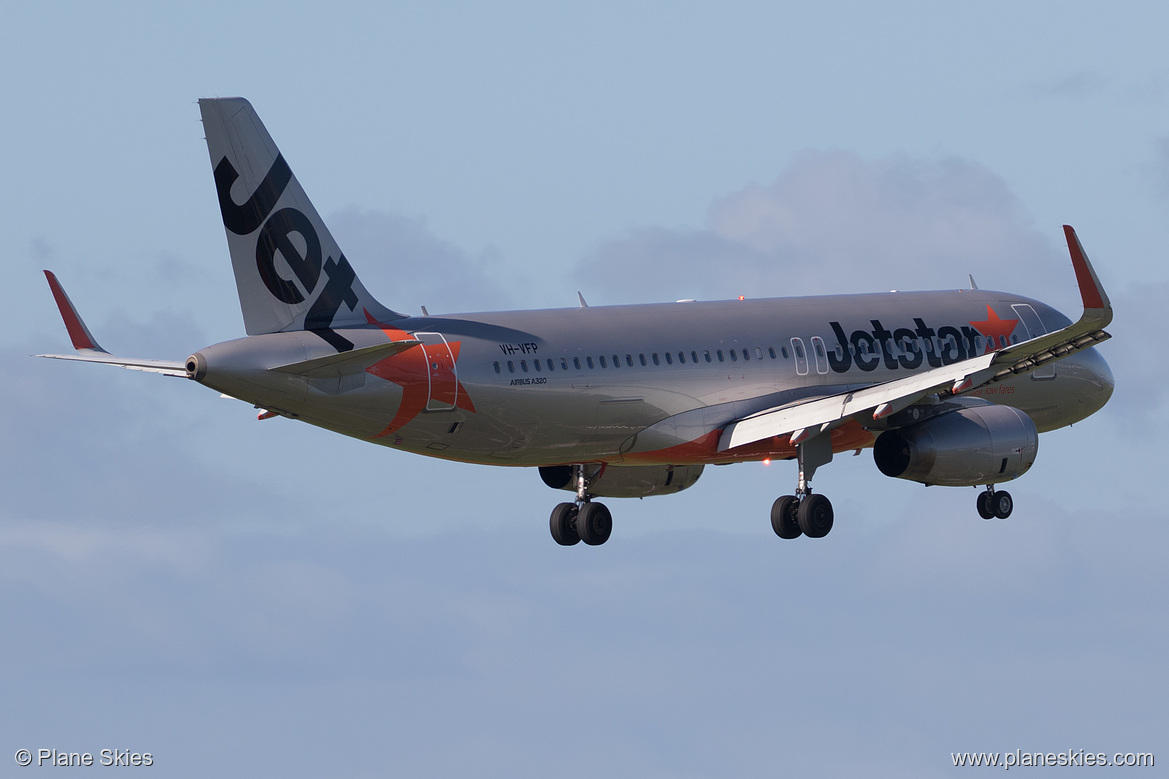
(289, 272)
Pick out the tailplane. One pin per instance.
(289, 271)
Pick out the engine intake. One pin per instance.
(961, 448)
(626, 481)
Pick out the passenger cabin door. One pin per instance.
(440, 370)
(801, 356)
(1034, 327)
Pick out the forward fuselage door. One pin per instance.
(801, 356)
(440, 370)
(1034, 326)
(821, 355)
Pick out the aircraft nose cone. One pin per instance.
(1096, 377)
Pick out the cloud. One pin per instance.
(1081, 85)
(835, 222)
(405, 265)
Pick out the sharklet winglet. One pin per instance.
(79, 334)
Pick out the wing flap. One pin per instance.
(885, 397)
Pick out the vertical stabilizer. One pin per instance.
(289, 272)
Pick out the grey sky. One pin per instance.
(247, 598)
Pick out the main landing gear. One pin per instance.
(804, 513)
(583, 520)
(993, 503)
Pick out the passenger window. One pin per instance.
(746, 354)
(758, 353)
(524, 366)
(706, 354)
(510, 366)
(551, 364)
(629, 360)
(496, 364)
(654, 356)
(576, 363)
(681, 358)
(603, 363)
(616, 361)
(563, 364)
(589, 362)
(771, 351)
(783, 351)
(642, 358)
(734, 357)
(694, 357)
(719, 353)
(536, 364)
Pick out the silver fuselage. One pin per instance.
(646, 384)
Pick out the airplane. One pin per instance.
(947, 388)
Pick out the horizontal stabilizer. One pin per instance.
(165, 367)
(345, 362)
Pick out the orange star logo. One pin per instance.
(426, 374)
(997, 330)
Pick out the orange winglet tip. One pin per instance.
(1090, 289)
(78, 333)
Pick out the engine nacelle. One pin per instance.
(961, 448)
(626, 481)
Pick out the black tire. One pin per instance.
(985, 509)
(1003, 504)
(563, 524)
(594, 523)
(783, 517)
(815, 516)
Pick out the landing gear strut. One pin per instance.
(804, 513)
(583, 520)
(994, 503)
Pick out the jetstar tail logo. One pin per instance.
(289, 235)
(909, 348)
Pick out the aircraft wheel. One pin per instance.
(594, 523)
(563, 524)
(1003, 504)
(985, 509)
(815, 516)
(783, 517)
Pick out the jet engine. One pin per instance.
(961, 448)
(625, 481)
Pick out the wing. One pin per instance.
(87, 347)
(805, 419)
